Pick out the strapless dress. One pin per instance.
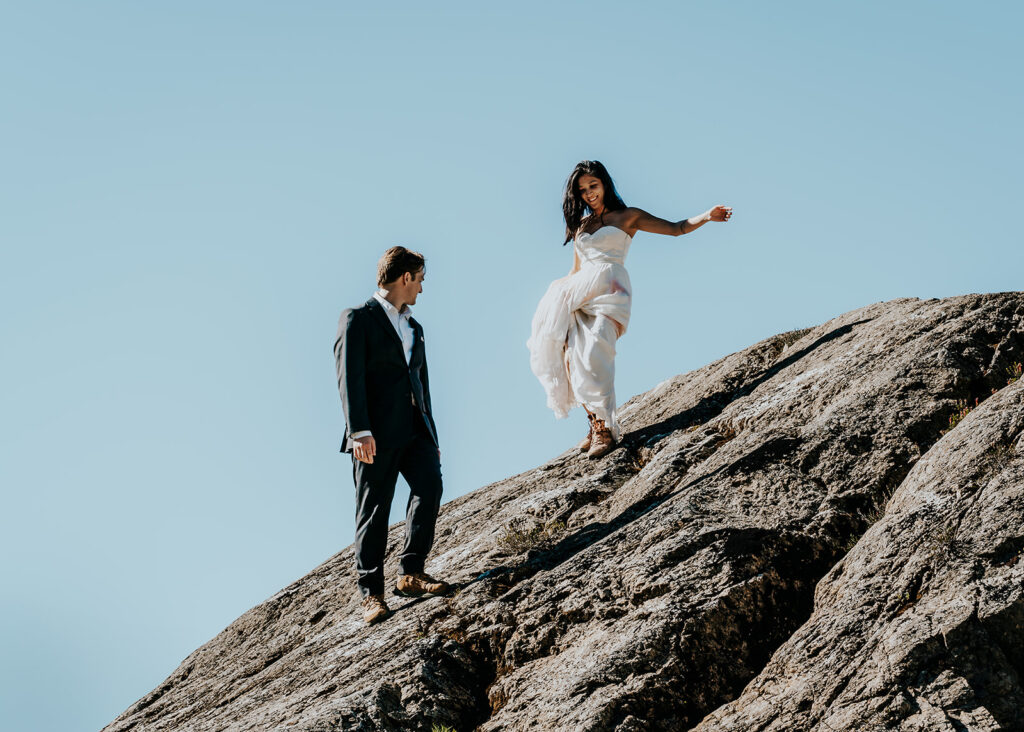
(573, 334)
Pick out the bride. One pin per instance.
(579, 319)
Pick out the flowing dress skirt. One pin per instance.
(572, 340)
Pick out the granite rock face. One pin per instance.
(921, 625)
(785, 540)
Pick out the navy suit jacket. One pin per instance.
(380, 392)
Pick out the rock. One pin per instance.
(921, 625)
(647, 589)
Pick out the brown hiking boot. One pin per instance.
(602, 441)
(585, 444)
(375, 609)
(419, 584)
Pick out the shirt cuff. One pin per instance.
(350, 444)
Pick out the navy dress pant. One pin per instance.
(418, 462)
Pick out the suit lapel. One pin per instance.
(385, 323)
(417, 344)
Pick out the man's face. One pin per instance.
(413, 286)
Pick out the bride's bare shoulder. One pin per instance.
(631, 215)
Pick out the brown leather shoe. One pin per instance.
(375, 609)
(419, 584)
(585, 444)
(602, 441)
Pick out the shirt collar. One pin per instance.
(381, 297)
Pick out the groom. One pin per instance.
(385, 394)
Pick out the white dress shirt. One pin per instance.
(400, 321)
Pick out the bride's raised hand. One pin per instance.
(720, 213)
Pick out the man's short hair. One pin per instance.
(396, 262)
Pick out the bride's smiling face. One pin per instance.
(592, 191)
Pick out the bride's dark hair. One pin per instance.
(573, 207)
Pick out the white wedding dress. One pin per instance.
(572, 343)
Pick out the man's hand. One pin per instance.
(365, 449)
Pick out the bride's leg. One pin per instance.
(567, 362)
(584, 444)
(592, 370)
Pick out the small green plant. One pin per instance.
(792, 336)
(942, 537)
(995, 460)
(870, 519)
(520, 536)
(435, 727)
(906, 601)
(782, 341)
(875, 514)
(963, 408)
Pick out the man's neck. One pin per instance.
(392, 297)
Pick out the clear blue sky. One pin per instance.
(193, 191)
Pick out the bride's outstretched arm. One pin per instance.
(640, 220)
